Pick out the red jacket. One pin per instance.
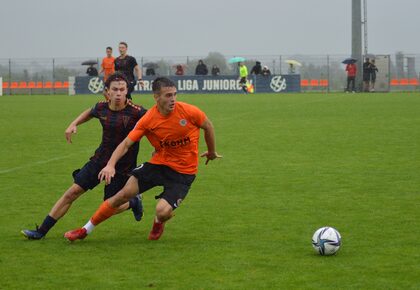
(351, 70)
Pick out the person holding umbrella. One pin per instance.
(351, 69)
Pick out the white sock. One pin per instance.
(157, 220)
(89, 227)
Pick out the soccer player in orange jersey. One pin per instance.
(173, 128)
(117, 117)
(107, 66)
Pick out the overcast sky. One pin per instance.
(80, 28)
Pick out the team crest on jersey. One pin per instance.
(183, 122)
(125, 120)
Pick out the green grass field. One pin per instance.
(292, 163)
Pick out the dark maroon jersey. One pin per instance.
(115, 127)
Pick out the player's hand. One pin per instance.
(72, 129)
(107, 173)
(141, 83)
(210, 156)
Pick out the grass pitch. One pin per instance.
(292, 163)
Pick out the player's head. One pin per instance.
(109, 51)
(164, 92)
(122, 47)
(116, 88)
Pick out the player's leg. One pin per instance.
(84, 179)
(107, 209)
(176, 189)
(58, 211)
(135, 203)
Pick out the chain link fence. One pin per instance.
(318, 72)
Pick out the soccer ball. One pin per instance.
(326, 241)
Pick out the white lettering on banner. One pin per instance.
(220, 85)
(147, 86)
(96, 85)
(188, 85)
(278, 84)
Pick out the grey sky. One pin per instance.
(80, 28)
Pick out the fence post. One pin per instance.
(328, 73)
(274, 66)
(280, 72)
(10, 75)
(52, 90)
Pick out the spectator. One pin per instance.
(367, 70)
(215, 71)
(351, 69)
(92, 71)
(243, 76)
(179, 70)
(256, 69)
(126, 64)
(150, 71)
(201, 69)
(107, 66)
(373, 71)
(291, 68)
(265, 71)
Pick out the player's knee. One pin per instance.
(163, 211)
(72, 194)
(120, 198)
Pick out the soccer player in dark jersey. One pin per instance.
(118, 116)
(127, 64)
(173, 128)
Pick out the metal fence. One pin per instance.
(318, 72)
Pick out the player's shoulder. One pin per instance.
(135, 107)
(188, 107)
(101, 104)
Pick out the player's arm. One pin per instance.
(139, 75)
(210, 139)
(108, 171)
(72, 128)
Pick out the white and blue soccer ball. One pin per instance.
(326, 241)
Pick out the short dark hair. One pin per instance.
(124, 43)
(109, 48)
(115, 77)
(162, 82)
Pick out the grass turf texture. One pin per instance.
(292, 163)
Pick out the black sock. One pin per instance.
(47, 224)
(133, 202)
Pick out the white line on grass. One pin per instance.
(36, 163)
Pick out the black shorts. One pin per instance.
(243, 81)
(87, 178)
(175, 185)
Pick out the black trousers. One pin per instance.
(351, 80)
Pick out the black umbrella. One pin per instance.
(151, 65)
(89, 62)
(349, 60)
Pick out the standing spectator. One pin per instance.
(351, 69)
(256, 69)
(127, 64)
(367, 70)
(179, 70)
(92, 71)
(107, 66)
(373, 71)
(265, 71)
(201, 69)
(150, 71)
(215, 71)
(243, 76)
